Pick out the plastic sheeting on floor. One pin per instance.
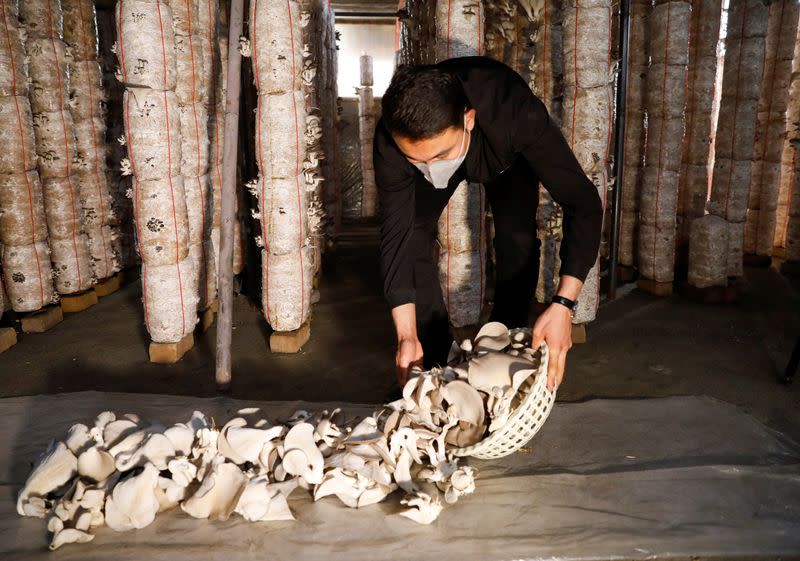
(605, 479)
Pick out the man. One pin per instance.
(474, 118)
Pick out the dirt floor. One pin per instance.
(640, 346)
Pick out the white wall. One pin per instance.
(374, 39)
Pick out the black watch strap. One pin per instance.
(564, 301)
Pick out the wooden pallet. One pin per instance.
(711, 294)
(170, 353)
(655, 287)
(73, 303)
(290, 341)
(108, 286)
(8, 338)
(42, 320)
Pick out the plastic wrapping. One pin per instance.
(27, 275)
(170, 303)
(22, 217)
(708, 252)
(163, 229)
(153, 128)
(146, 42)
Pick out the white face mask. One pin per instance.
(440, 171)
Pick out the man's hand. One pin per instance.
(554, 327)
(409, 353)
(409, 349)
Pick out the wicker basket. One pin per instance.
(522, 424)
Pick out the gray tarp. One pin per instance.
(605, 479)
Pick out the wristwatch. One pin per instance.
(564, 301)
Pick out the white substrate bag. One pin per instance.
(95, 199)
(22, 217)
(280, 144)
(591, 125)
(708, 252)
(657, 252)
(198, 207)
(283, 205)
(189, 64)
(13, 80)
(16, 135)
(62, 207)
(80, 29)
(72, 271)
(55, 143)
(41, 18)
(459, 28)
(47, 67)
(727, 201)
(154, 133)
(202, 255)
(162, 220)
(659, 196)
(86, 90)
(28, 276)
(735, 249)
(144, 31)
(103, 251)
(462, 257)
(90, 141)
(185, 16)
(286, 288)
(590, 57)
(170, 303)
(194, 140)
(276, 42)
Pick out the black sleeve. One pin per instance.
(396, 197)
(544, 147)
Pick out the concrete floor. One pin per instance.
(640, 346)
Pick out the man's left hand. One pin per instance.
(554, 327)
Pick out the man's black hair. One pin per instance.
(422, 101)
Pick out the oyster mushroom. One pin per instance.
(132, 503)
(405, 439)
(218, 494)
(241, 444)
(301, 456)
(155, 448)
(465, 400)
(495, 370)
(424, 509)
(117, 431)
(100, 423)
(96, 464)
(78, 439)
(53, 469)
(183, 471)
(69, 535)
(462, 482)
(266, 502)
(493, 336)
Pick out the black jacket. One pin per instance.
(510, 121)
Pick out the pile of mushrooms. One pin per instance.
(122, 471)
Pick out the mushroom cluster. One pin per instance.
(123, 471)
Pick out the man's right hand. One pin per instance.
(409, 353)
